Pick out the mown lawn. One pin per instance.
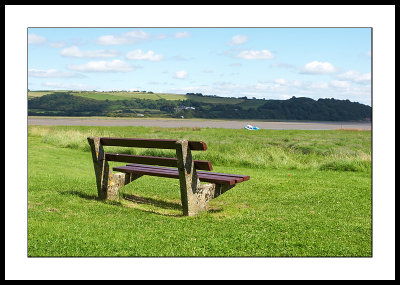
(309, 195)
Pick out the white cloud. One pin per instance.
(69, 86)
(180, 74)
(340, 83)
(285, 96)
(317, 85)
(179, 58)
(238, 39)
(192, 89)
(74, 51)
(161, 36)
(51, 73)
(256, 54)
(36, 39)
(356, 77)
(140, 55)
(130, 37)
(103, 66)
(60, 44)
(136, 34)
(182, 34)
(282, 88)
(281, 65)
(364, 78)
(317, 67)
(268, 87)
(297, 83)
(281, 81)
(111, 40)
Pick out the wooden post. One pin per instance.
(194, 195)
(108, 183)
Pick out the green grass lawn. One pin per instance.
(309, 195)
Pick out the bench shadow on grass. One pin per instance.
(136, 200)
(80, 194)
(160, 204)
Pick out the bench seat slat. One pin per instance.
(244, 177)
(147, 171)
(237, 176)
(162, 161)
(205, 176)
(150, 143)
(173, 173)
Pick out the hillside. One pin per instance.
(149, 104)
(125, 95)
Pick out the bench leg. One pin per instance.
(220, 188)
(194, 195)
(108, 183)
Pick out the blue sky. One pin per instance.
(270, 63)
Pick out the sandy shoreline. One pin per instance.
(174, 123)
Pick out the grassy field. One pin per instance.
(33, 94)
(309, 195)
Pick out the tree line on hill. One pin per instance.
(291, 109)
(65, 104)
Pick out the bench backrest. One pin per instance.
(152, 143)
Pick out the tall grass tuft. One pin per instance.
(70, 138)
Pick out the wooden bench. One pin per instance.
(194, 195)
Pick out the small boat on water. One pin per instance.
(251, 128)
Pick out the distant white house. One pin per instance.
(180, 108)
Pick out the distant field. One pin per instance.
(113, 95)
(130, 95)
(32, 94)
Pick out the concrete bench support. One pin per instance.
(194, 195)
(108, 183)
